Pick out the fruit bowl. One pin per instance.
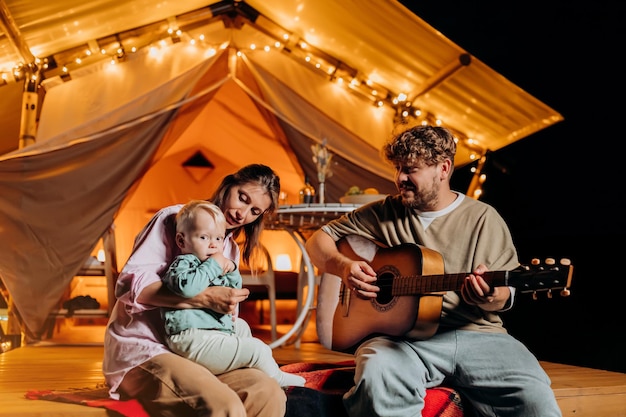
(361, 198)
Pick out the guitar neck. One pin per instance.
(424, 284)
(398, 270)
(525, 279)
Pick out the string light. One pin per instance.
(406, 113)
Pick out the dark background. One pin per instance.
(558, 189)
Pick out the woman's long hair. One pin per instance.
(250, 174)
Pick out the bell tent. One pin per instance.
(139, 107)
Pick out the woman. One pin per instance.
(137, 363)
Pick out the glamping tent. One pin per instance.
(139, 105)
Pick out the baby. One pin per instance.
(217, 341)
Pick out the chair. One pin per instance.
(264, 275)
(303, 282)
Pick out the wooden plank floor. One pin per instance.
(73, 359)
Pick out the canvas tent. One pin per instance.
(201, 90)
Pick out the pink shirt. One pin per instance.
(135, 332)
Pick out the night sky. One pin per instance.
(558, 189)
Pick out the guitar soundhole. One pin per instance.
(385, 300)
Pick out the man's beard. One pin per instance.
(422, 200)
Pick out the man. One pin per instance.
(469, 349)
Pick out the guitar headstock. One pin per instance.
(543, 276)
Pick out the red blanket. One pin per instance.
(326, 383)
(320, 397)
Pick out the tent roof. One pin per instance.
(370, 45)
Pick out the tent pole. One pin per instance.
(30, 98)
(13, 33)
(474, 190)
(443, 74)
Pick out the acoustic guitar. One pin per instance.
(412, 286)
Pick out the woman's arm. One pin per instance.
(221, 299)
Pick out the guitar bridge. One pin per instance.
(346, 295)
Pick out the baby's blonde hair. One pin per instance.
(186, 216)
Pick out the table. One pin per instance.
(300, 221)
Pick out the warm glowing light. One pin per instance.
(283, 262)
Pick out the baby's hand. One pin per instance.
(227, 264)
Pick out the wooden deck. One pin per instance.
(73, 359)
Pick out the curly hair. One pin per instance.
(427, 144)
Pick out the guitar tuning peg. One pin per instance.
(550, 261)
(535, 295)
(565, 292)
(566, 262)
(550, 293)
(535, 261)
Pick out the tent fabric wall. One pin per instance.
(59, 196)
(54, 207)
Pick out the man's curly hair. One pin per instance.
(428, 144)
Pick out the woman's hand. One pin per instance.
(221, 299)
